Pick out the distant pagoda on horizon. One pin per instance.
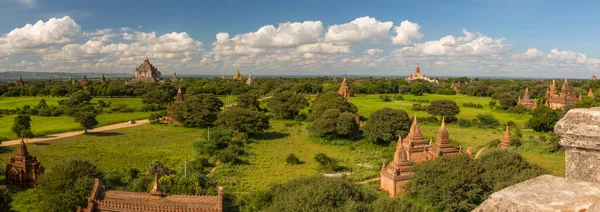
(420, 76)
(238, 76)
(526, 101)
(147, 73)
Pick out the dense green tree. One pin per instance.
(78, 98)
(330, 100)
(5, 199)
(492, 104)
(158, 168)
(195, 184)
(42, 105)
(249, 101)
(588, 103)
(334, 123)
(87, 120)
(519, 109)
(543, 118)
(318, 194)
(506, 101)
(450, 183)
(21, 124)
(157, 98)
(241, 120)
(386, 125)
(447, 108)
(286, 105)
(504, 167)
(198, 110)
(67, 185)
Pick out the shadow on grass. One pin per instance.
(270, 135)
(41, 144)
(4, 149)
(104, 134)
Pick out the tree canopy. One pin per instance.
(197, 110)
(241, 120)
(386, 125)
(330, 100)
(286, 105)
(67, 185)
(543, 118)
(447, 108)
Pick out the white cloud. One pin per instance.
(406, 32)
(363, 29)
(40, 35)
(566, 56)
(326, 48)
(530, 54)
(462, 46)
(374, 51)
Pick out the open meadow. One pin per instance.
(136, 147)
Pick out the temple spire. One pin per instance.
(179, 97)
(156, 190)
(418, 70)
(146, 57)
(590, 94)
(22, 151)
(505, 143)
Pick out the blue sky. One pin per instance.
(502, 38)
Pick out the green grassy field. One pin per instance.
(136, 147)
(120, 149)
(48, 125)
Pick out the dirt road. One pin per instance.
(74, 133)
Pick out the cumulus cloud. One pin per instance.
(373, 51)
(326, 48)
(406, 32)
(363, 29)
(469, 44)
(41, 34)
(530, 54)
(566, 56)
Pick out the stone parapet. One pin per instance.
(579, 133)
(545, 193)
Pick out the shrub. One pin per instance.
(446, 91)
(464, 123)
(385, 98)
(447, 108)
(155, 118)
(487, 121)
(286, 105)
(519, 109)
(327, 163)
(544, 118)
(21, 122)
(334, 123)
(492, 104)
(241, 120)
(398, 97)
(418, 107)
(473, 105)
(292, 159)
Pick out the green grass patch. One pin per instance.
(117, 150)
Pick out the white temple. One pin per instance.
(418, 75)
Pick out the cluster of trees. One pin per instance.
(459, 183)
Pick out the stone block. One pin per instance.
(579, 133)
(545, 193)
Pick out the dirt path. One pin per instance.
(74, 133)
(368, 181)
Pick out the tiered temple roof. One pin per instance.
(174, 77)
(590, 94)
(23, 169)
(238, 76)
(415, 143)
(593, 77)
(442, 145)
(396, 173)
(83, 81)
(566, 96)
(345, 89)
(527, 102)
(418, 75)
(178, 100)
(107, 200)
(21, 83)
(146, 72)
(505, 143)
(250, 81)
(455, 87)
(103, 80)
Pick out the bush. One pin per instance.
(397, 204)
(21, 122)
(544, 118)
(519, 109)
(327, 163)
(446, 91)
(26, 133)
(447, 108)
(334, 123)
(240, 120)
(155, 118)
(398, 97)
(473, 105)
(5, 199)
(492, 104)
(418, 107)
(385, 98)
(292, 159)
(487, 121)
(286, 105)
(464, 123)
